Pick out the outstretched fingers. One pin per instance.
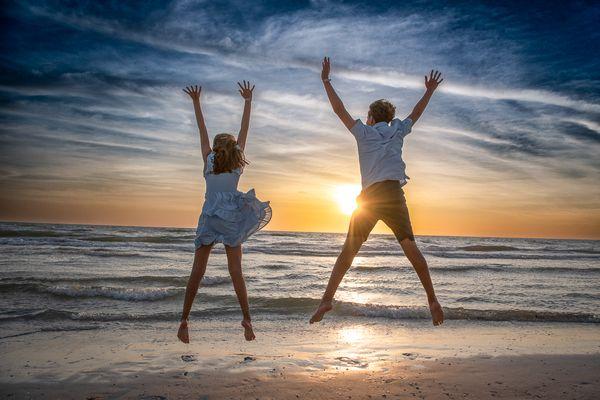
(325, 68)
(245, 86)
(245, 89)
(434, 78)
(193, 91)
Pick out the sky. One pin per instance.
(95, 128)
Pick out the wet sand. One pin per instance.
(342, 359)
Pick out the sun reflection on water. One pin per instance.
(352, 334)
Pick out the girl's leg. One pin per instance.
(199, 268)
(234, 263)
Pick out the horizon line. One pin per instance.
(295, 231)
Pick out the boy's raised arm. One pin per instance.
(431, 84)
(336, 102)
(194, 93)
(246, 93)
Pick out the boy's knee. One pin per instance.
(411, 250)
(351, 247)
(408, 241)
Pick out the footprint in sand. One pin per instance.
(188, 357)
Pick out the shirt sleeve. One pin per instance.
(403, 127)
(358, 130)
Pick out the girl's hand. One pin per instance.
(193, 92)
(246, 90)
(433, 81)
(326, 69)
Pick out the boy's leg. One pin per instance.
(198, 269)
(361, 224)
(395, 215)
(234, 263)
(420, 265)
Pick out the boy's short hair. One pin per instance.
(382, 110)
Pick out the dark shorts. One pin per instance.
(381, 201)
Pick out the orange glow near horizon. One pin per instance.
(320, 201)
(325, 209)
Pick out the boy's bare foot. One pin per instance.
(324, 307)
(183, 334)
(437, 314)
(248, 332)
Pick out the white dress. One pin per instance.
(228, 215)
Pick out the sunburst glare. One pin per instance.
(345, 196)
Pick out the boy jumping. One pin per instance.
(382, 198)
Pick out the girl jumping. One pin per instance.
(228, 215)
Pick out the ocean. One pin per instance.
(57, 277)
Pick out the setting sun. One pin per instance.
(345, 196)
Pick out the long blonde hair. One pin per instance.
(228, 155)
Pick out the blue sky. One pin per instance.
(96, 129)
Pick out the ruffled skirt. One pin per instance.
(231, 217)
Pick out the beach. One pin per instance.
(340, 359)
(92, 312)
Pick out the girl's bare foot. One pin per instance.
(248, 332)
(437, 314)
(183, 334)
(324, 307)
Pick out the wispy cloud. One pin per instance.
(94, 92)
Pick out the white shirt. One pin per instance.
(380, 150)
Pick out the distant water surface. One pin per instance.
(54, 276)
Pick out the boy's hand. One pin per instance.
(193, 92)
(433, 81)
(326, 69)
(246, 90)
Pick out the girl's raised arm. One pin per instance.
(194, 93)
(246, 93)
